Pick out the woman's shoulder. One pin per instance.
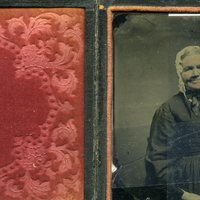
(175, 106)
(174, 101)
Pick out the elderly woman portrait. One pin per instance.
(156, 106)
(173, 152)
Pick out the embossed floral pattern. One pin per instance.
(47, 48)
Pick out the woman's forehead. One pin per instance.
(191, 60)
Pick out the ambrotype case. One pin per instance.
(80, 82)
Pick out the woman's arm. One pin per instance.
(190, 196)
(159, 163)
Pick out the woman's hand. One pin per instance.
(190, 196)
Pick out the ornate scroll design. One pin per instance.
(47, 48)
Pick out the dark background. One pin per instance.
(145, 46)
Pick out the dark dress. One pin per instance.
(173, 153)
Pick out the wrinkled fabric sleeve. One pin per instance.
(159, 163)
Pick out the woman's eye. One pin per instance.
(188, 68)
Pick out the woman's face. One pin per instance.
(191, 72)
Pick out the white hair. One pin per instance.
(187, 51)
